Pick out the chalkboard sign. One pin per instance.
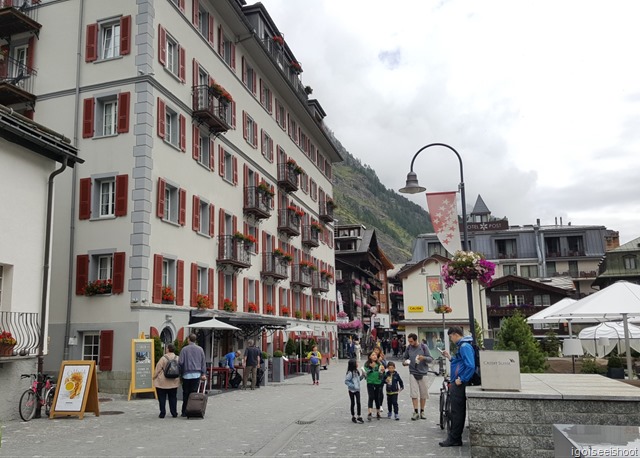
(142, 366)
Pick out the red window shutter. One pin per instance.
(264, 240)
(211, 30)
(181, 5)
(87, 117)
(235, 223)
(85, 199)
(221, 161)
(91, 50)
(181, 337)
(195, 217)
(234, 161)
(105, 357)
(253, 84)
(262, 99)
(220, 40)
(212, 220)
(255, 134)
(256, 285)
(82, 273)
(161, 115)
(245, 294)
(196, 143)
(221, 221)
(180, 282)
(243, 65)
(220, 290)
(157, 279)
(161, 202)
(212, 154)
(162, 45)
(125, 35)
(195, 68)
(183, 133)
(183, 64)
(277, 112)
(234, 287)
(182, 218)
(123, 112)
(122, 192)
(195, 16)
(245, 132)
(245, 176)
(212, 276)
(233, 56)
(233, 114)
(118, 272)
(194, 284)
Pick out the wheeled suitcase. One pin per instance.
(197, 402)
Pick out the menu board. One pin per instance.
(76, 390)
(142, 366)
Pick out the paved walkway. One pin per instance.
(293, 418)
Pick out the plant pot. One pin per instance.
(278, 369)
(6, 350)
(615, 372)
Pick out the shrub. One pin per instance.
(551, 344)
(515, 335)
(589, 366)
(614, 362)
(277, 354)
(291, 348)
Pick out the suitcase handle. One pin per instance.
(202, 386)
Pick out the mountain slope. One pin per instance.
(363, 199)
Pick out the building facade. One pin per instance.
(207, 184)
(620, 263)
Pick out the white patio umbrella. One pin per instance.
(212, 324)
(600, 340)
(299, 328)
(542, 317)
(619, 301)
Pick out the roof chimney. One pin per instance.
(538, 221)
(556, 220)
(561, 221)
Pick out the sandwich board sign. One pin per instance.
(76, 390)
(142, 366)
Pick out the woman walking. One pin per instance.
(166, 387)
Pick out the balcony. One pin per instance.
(274, 268)
(510, 310)
(233, 254)
(564, 253)
(211, 108)
(16, 82)
(287, 178)
(319, 283)
(310, 236)
(300, 276)
(507, 255)
(25, 328)
(289, 222)
(257, 203)
(325, 212)
(17, 17)
(277, 53)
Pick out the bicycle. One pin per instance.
(445, 405)
(41, 393)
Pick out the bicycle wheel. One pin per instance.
(442, 411)
(447, 410)
(27, 406)
(49, 400)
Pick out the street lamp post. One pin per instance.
(413, 187)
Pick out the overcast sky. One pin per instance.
(540, 98)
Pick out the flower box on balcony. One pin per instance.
(252, 307)
(168, 296)
(269, 309)
(229, 306)
(203, 301)
(98, 287)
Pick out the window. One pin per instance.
(203, 21)
(100, 265)
(227, 285)
(168, 273)
(109, 40)
(267, 146)
(314, 190)
(108, 110)
(293, 129)
(507, 248)
(551, 268)
(20, 61)
(226, 49)
(266, 96)
(552, 246)
(91, 346)
(251, 291)
(576, 245)
(248, 76)
(541, 299)
(170, 54)
(172, 129)
(250, 130)
(109, 199)
(304, 182)
(436, 248)
(205, 149)
(630, 262)
(573, 268)
(228, 167)
(204, 217)
(281, 115)
(172, 202)
(529, 271)
(304, 142)
(106, 116)
(202, 280)
(105, 267)
(254, 232)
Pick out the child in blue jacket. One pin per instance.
(394, 386)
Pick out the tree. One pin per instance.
(291, 348)
(551, 344)
(515, 335)
(479, 336)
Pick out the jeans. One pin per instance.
(392, 403)
(374, 395)
(315, 372)
(355, 399)
(458, 411)
(189, 385)
(163, 394)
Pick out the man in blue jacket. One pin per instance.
(463, 367)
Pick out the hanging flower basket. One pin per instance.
(355, 324)
(468, 266)
(342, 314)
(443, 309)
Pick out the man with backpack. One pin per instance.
(418, 358)
(463, 368)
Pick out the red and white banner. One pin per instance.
(444, 217)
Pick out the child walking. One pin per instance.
(352, 380)
(374, 371)
(394, 386)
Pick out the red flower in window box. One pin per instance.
(295, 66)
(98, 287)
(269, 309)
(278, 39)
(167, 294)
(203, 301)
(295, 209)
(252, 307)
(250, 238)
(229, 306)
(316, 317)
(285, 311)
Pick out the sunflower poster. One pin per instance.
(76, 390)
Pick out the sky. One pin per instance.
(540, 98)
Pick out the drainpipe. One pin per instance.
(45, 270)
(74, 180)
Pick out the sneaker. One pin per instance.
(353, 419)
(389, 415)
(369, 417)
(415, 416)
(397, 417)
(360, 420)
(422, 416)
(378, 415)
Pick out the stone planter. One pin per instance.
(615, 372)
(6, 350)
(278, 369)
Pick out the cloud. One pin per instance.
(390, 59)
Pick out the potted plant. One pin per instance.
(293, 166)
(264, 188)
(468, 266)
(284, 311)
(315, 226)
(295, 66)
(168, 296)
(287, 257)
(309, 315)
(239, 236)
(443, 309)
(7, 342)
(326, 274)
(203, 301)
(220, 92)
(298, 314)
(278, 253)
(228, 305)
(252, 307)
(308, 90)
(278, 366)
(269, 309)
(615, 368)
(326, 318)
(249, 241)
(307, 265)
(98, 287)
(278, 39)
(317, 317)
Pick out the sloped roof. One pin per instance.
(554, 284)
(632, 245)
(480, 208)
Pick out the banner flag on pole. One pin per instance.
(444, 217)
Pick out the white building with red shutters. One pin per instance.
(206, 168)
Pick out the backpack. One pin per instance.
(172, 368)
(475, 378)
(314, 360)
